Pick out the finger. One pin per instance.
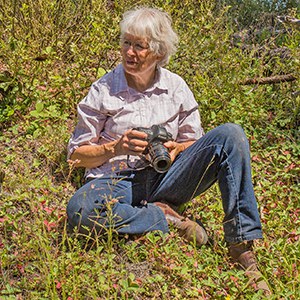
(172, 155)
(136, 148)
(138, 134)
(138, 143)
(170, 145)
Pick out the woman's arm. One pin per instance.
(91, 156)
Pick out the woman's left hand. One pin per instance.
(175, 148)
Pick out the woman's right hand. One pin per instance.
(132, 142)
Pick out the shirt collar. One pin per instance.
(119, 83)
(159, 83)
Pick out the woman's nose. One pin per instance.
(130, 50)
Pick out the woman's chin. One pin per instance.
(131, 69)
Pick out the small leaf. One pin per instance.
(39, 106)
(100, 72)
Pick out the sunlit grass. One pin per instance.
(52, 56)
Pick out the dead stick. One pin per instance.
(268, 80)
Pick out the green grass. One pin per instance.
(40, 259)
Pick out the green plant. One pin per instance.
(51, 52)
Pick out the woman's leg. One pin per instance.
(105, 202)
(221, 155)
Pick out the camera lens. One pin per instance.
(160, 157)
(162, 164)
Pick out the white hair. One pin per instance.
(153, 25)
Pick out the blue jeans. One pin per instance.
(221, 155)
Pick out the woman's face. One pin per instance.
(137, 58)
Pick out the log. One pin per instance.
(269, 80)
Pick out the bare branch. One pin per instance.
(269, 80)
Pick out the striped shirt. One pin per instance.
(111, 107)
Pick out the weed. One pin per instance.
(51, 52)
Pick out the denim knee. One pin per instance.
(232, 130)
(234, 138)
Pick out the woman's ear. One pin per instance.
(159, 57)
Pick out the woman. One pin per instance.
(123, 189)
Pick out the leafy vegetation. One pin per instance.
(51, 51)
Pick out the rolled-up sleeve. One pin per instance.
(90, 121)
(190, 127)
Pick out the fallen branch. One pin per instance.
(269, 80)
(289, 21)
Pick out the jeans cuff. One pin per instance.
(244, 237)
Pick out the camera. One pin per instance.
(160, 158)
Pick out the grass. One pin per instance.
(52, 56)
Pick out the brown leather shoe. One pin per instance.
(242, 254)
(187, 228)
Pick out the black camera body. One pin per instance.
(160, 158)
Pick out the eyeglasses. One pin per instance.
(137, 46)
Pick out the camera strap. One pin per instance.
(138, 164)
